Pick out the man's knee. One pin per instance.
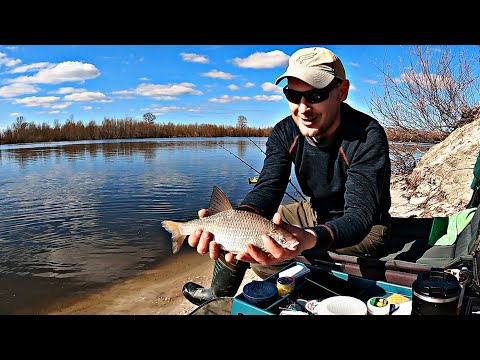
(265, 271)
(375, 244)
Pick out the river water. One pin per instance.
(77, 216)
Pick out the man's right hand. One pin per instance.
(203, 241)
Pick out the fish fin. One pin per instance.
(218, 202)
(177, 237)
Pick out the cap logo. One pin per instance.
(305, 57)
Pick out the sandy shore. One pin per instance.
(157, 291)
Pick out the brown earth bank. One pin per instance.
(438, 186)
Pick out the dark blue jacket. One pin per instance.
(347, 181)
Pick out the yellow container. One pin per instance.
(285, 285)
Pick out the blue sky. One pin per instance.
(183, 84)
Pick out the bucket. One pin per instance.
(435, 292)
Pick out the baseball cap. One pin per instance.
(316, 66)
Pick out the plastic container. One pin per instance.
(378, 306)
(285, 285)
(435, 292)
(260, 293)
(337, 305)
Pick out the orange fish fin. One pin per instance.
(218, 202)
(177, 237)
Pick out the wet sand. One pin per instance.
(157, 291)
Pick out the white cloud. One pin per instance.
(268, 97)
(228, 99)
(195, 58)
(17, 90)
(8, 62)
(233, 87)
(160, 110)
(31, 67)
(66, 71)
(68, 90)
(44, 101)
(249, 84)
(161, 92)
(262, 60)
(271, 87)
(427, 80)
(215, 74)
(88, 96)
(61, 106)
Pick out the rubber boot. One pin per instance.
(226, 280)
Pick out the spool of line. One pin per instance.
(378, 306)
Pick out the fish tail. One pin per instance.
(177, 237)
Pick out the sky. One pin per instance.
(182, 84)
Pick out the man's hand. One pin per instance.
(276, 253)
(203, 241)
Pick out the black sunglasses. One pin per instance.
(313, 96)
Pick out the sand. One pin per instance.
(157, 291)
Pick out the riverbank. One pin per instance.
(158, 291)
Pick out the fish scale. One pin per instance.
(232, 229)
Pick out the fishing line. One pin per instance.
(297, 192)
(251, 167)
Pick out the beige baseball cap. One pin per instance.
(316, 66)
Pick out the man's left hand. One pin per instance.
(276, 253)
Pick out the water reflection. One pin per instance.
(84, 214)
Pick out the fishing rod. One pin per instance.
(251, 167)
(289, 179)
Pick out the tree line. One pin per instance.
(28, 132)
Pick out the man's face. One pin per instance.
(319, 120)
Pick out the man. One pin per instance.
(342, 164)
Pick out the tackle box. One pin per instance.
(320, 283)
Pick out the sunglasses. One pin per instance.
(313, 96)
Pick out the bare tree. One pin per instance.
(149, 118)
(437, 92)
(242, 122)
(437, 89)
(20, 123)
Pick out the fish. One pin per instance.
(232, 229)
